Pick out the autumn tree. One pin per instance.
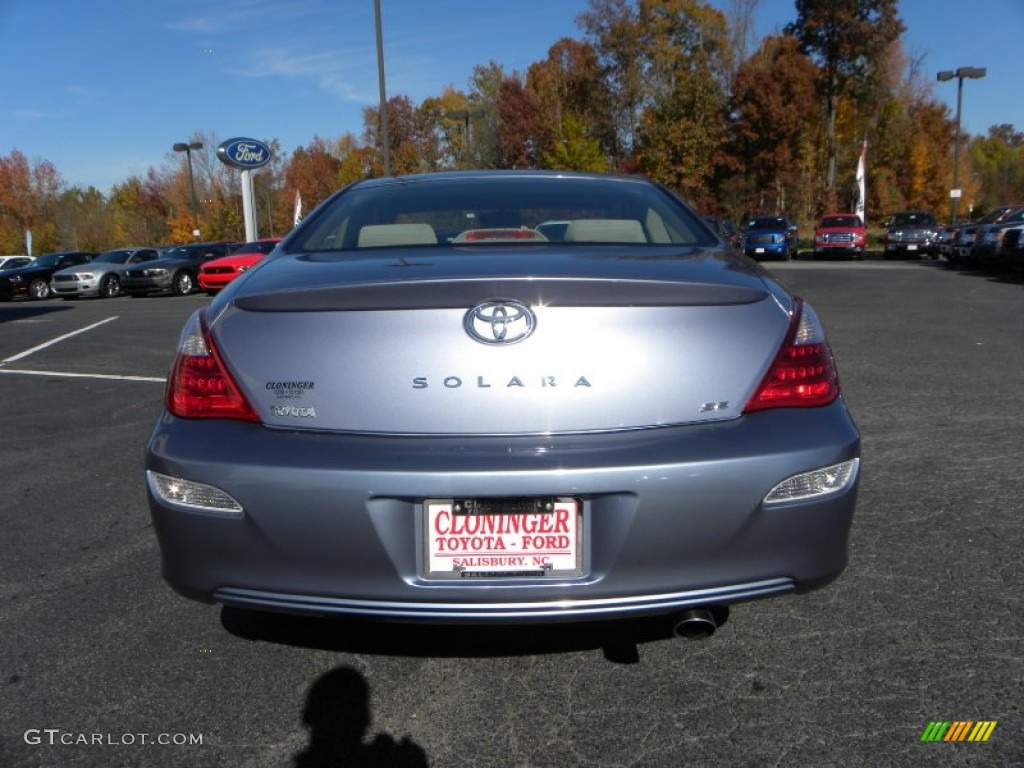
(575, 104)
(686, 57)
(774, 95)
(613, 28)
(413, 142)
(28, 194)
(82, 220)
(356, 160)
(848, 40)
(444, 114)
(520, 126)
(313, 171)
(138, 211)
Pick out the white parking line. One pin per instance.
(51, 342)
(67, 374)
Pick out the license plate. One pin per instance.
(759, 250)
(911, 247)
(503, 538)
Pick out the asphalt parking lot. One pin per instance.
(102, 665)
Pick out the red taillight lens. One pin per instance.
(200, 386)
(803, 372)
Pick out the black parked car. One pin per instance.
(34, 280)
(911, 233)
(175, 272)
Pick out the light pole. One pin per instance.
(385, 141)
(960, 73)
(187, 149)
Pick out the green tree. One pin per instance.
(484, 139)
(575, 149)
(998, 161)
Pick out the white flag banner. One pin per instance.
(861, 176)
(298, 207)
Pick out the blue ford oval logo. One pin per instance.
(500, 322)
(244, 154)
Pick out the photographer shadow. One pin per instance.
(337, 713)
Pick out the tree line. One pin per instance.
(672, 89)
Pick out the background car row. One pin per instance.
(994, 242)
(145, 271)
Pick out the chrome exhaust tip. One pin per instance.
(695, 624)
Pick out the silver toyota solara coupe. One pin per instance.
(503, 397)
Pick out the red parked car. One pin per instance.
(840, 234)
(217, 273)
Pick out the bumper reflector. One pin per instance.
(186, 493)
(814, 484)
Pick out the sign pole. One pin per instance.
(248, 206)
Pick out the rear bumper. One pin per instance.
(672, 517)
(483, 612)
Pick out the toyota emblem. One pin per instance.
(500, 322)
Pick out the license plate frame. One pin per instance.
(507, 538)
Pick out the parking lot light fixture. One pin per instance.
(974, 73)
(187, 149)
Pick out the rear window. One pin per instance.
(507, 210)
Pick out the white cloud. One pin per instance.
(332, 71)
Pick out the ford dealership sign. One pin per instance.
(244, 154)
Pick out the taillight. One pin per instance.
(200, 386)
(803, 372)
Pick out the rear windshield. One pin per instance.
(510, 210)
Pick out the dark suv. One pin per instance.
(911, 233)
(174, 272)
(770, 236)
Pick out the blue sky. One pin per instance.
(104, 88)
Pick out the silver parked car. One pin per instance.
(425, 409)
(100, 277)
